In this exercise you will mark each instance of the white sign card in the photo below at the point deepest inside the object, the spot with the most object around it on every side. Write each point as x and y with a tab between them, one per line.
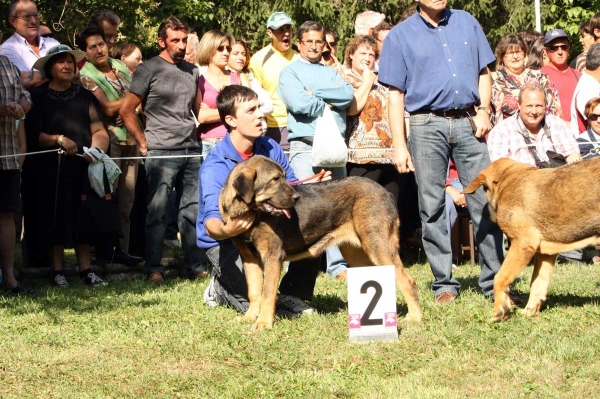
372	303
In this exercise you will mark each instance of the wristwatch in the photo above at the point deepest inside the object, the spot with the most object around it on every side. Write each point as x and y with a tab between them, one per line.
484	109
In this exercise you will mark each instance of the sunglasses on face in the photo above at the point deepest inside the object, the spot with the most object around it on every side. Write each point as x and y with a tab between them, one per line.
593	117
332	44
563	47
222	47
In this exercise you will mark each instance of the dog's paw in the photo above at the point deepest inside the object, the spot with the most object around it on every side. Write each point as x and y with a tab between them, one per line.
530	311
498	318
245	319
414	318
261	325
500	315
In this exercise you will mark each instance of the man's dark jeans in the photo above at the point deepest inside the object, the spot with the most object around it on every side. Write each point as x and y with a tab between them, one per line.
164	174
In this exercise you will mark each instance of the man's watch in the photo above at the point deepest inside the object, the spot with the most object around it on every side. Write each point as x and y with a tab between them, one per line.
484	109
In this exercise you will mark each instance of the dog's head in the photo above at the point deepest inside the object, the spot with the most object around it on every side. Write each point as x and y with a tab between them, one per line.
491	176
257	184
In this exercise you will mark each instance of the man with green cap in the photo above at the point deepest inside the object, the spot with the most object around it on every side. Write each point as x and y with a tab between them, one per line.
266	65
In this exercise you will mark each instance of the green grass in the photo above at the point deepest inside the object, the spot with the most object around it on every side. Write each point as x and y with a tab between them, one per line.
134	340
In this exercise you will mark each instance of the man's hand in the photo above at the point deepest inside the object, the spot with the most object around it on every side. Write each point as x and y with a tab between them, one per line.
402	160
69	146
458	198
483	124
12	110
238	225
572	158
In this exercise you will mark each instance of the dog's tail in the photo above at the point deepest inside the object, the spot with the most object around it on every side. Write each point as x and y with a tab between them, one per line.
480	180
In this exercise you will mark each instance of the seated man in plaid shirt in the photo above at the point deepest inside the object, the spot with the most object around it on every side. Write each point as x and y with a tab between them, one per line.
528	134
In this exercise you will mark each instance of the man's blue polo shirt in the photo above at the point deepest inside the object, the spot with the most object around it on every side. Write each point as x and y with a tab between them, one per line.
437	67
213	174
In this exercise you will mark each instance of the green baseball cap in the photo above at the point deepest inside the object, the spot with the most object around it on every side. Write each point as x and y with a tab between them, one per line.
278	19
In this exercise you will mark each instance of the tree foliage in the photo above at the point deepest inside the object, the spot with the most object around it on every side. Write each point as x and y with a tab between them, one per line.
247	18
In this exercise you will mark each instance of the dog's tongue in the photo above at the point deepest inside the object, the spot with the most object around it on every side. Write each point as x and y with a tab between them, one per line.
287	213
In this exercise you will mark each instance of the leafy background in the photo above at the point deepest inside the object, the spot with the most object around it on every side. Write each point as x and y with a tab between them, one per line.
247	18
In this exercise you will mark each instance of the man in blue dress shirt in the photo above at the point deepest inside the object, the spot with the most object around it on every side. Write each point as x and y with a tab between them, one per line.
435	64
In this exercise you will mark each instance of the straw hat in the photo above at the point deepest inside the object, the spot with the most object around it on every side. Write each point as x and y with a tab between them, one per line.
58	49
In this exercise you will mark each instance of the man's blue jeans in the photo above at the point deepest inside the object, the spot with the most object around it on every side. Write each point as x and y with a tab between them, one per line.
432	141
163	175
300	161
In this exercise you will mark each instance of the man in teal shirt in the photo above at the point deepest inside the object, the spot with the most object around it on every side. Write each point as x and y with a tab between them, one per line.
306	87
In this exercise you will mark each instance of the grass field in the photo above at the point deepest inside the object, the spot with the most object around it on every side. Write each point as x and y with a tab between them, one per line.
134	340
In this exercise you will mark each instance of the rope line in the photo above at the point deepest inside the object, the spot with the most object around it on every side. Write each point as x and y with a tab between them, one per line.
60	151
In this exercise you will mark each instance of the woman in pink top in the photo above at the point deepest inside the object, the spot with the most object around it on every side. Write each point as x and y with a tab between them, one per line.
213	52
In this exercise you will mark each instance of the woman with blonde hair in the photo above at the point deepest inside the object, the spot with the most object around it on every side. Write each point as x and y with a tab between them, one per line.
213	52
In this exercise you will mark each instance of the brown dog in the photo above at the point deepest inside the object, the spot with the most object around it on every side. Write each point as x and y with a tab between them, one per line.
291	224
543	212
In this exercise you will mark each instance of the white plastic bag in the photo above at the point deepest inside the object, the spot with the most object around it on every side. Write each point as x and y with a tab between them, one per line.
329	148
101	161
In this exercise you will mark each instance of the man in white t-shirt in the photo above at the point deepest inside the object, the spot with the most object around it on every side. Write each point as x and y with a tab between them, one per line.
587	88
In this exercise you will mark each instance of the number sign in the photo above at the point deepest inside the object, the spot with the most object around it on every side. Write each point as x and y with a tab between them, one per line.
372	303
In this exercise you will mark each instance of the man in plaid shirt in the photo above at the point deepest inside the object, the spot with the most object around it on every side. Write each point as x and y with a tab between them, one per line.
15	102
545	132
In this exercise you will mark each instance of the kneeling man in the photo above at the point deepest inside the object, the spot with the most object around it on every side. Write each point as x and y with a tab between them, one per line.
239	110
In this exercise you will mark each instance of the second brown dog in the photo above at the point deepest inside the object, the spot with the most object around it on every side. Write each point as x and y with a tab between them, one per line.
543	212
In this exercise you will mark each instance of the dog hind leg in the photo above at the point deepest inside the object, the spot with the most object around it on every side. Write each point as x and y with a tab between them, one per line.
540	281
517	257
381	252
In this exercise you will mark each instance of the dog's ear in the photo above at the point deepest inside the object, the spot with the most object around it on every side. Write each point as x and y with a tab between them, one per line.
244	184
480	180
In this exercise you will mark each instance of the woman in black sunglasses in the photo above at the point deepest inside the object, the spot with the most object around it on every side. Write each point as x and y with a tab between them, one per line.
589	141
213	54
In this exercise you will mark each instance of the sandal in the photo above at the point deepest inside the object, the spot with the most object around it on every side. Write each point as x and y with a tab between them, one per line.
21	289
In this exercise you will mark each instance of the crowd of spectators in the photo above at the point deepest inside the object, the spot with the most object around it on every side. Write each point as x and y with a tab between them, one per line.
205	103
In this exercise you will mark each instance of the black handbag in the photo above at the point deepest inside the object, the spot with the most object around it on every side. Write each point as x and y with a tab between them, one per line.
99	217
555	159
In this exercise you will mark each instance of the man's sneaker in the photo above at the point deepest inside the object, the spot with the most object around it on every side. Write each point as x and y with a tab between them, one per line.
290	306
210	294
93	280
217	294
60	281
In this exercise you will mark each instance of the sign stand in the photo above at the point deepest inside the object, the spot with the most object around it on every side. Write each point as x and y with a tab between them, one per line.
372	303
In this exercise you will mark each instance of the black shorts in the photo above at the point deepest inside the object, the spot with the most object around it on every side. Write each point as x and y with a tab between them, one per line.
10	182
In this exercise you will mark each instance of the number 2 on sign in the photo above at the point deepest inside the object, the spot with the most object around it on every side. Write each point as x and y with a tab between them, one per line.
366	320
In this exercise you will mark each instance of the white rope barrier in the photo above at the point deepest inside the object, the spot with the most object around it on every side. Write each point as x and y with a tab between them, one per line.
595	150
32	153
